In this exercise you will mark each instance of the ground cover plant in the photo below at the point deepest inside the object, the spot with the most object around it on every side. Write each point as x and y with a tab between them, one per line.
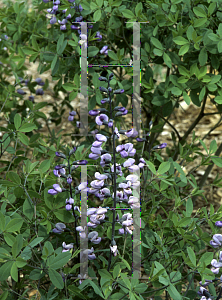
116	180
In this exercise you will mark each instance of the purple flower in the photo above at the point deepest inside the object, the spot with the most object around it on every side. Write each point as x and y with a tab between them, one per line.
110	124
131	133
94	112
104	50
56	189
71	115
218	223
101	137
31	98
39	81
161	146
105	158
59	228
82	231
119	91
142	163
63	22
90	253
68	17
82	162
59	172
216	242
99	36
53	20
69	179
74	27
63	27
67	247
59	154
93	237
114	250
90	26
39	92
79	19
100	119
55	7
21	92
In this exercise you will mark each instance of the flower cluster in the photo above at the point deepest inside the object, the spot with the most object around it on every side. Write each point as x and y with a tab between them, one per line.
38	92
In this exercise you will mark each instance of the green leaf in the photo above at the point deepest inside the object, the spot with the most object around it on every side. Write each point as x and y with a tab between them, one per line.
27	127
173	292
64	215
138	8
184	222
36	274
14	272
59	261
112	55
167	60
56	279
176	91
60	42
45	165
14	177
92	51
126	281
28	209
191	255
203	56
156	43
17	246
97	15
27	252
20	262
99	3
189	207
125	262
14	225
69	87
202	93
164	167
77	292
213	37
200	12
53	64
5	270
200	22
184	49
219	46
179	40
184	71
128	14
116	271
217	161
17	121
213	147
96	288
218	99
23	138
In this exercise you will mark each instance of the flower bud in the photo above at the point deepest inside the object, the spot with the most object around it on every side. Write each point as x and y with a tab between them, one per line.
119	91
102	89
111	76
59	154
72	151
101	78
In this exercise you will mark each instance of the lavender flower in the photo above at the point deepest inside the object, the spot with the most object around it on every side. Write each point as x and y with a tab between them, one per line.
161	146
59	228
104	50
131	133
93	237
71	115
56	189
216	242
39	92
67	247
101	119
218	223
114	250
21	92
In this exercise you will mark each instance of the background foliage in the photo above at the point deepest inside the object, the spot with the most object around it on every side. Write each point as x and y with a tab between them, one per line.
184	38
